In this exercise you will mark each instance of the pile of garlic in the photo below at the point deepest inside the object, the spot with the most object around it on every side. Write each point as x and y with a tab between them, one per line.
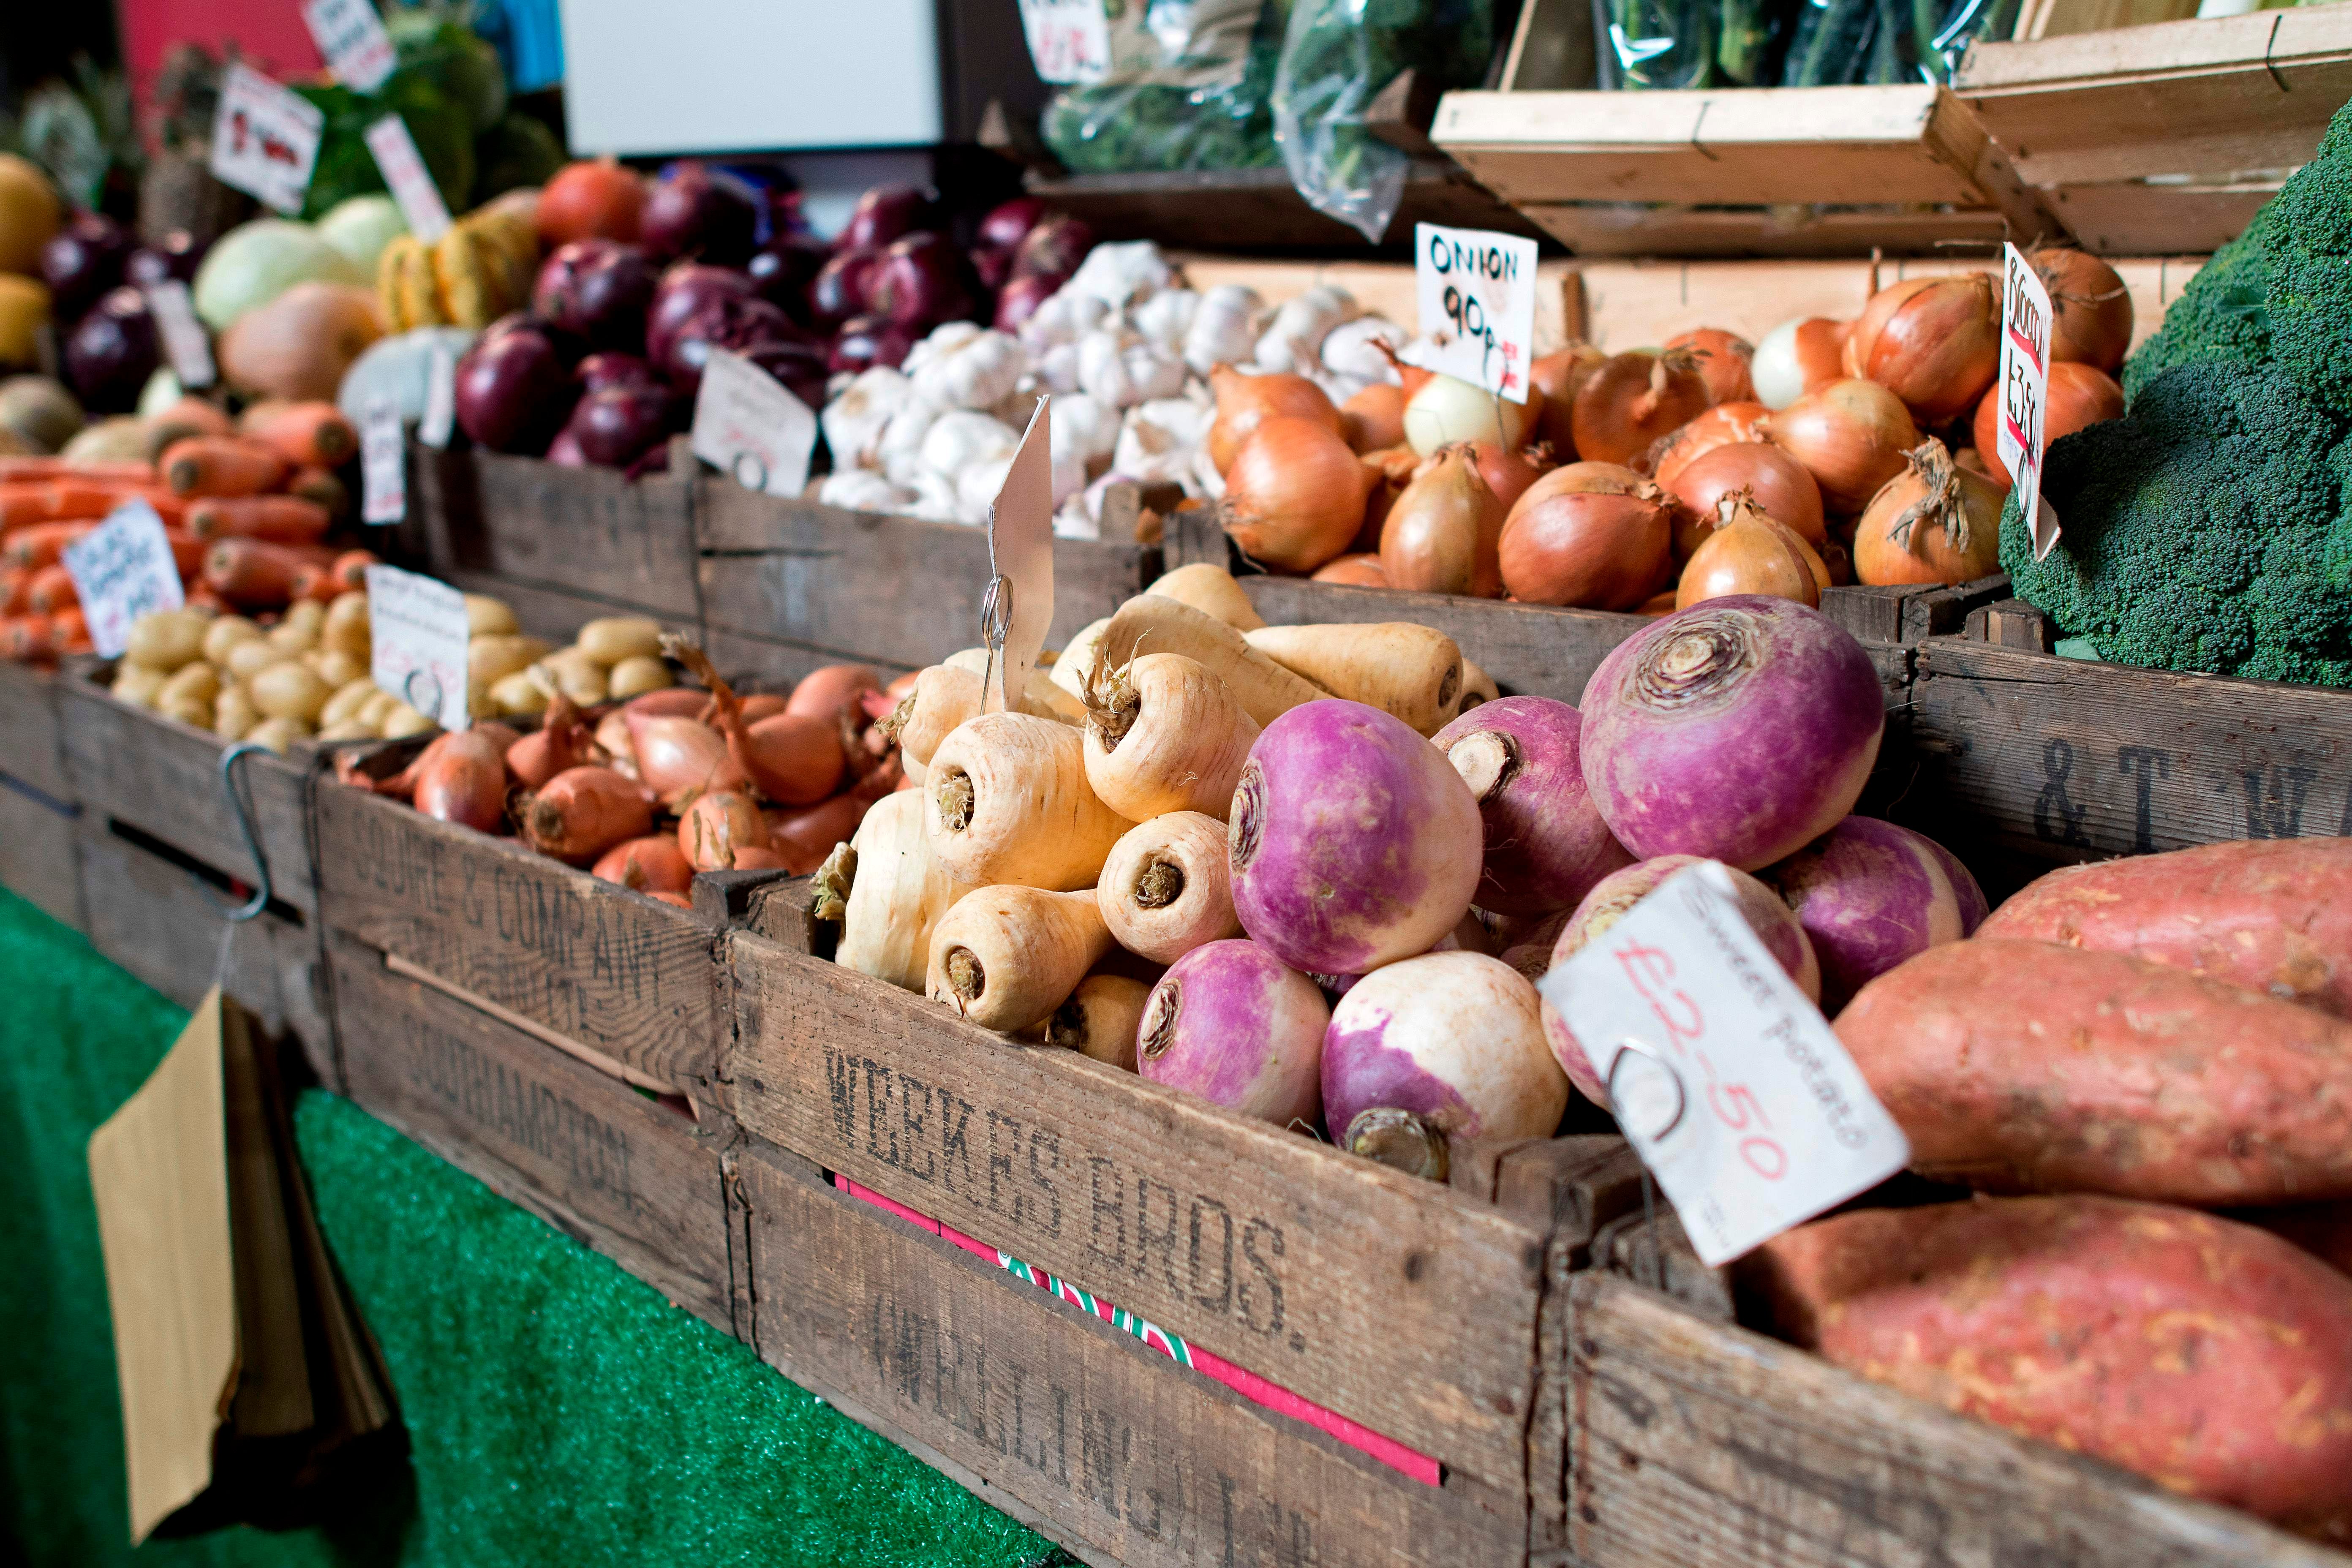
1123	348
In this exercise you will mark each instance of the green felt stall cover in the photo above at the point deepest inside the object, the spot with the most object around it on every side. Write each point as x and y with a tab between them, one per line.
560	1412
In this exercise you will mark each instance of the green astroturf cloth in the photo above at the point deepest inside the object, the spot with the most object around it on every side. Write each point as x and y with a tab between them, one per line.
559	1411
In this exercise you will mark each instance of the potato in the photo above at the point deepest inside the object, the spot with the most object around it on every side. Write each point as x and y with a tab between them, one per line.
636	677
348	730
486	616
292	637
2212	1356
192	711
488	658
278	734
224	634
2027	1066
346	626
137	684
234	713
403	719
612	639
309	614
348	699
198	681
517	696
336	668
575	674
377	708
166	639
248	659
290	689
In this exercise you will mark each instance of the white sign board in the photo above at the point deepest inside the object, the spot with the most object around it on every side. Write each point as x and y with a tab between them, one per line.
1069	40
265	140
1727	1081
440	396
1476	292
748	424
122	570
411	183
351	36
184	343
2024	386
417	627
384	463
1020	553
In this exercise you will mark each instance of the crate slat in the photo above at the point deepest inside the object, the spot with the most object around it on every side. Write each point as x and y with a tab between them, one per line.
37	857
32	748
1261	209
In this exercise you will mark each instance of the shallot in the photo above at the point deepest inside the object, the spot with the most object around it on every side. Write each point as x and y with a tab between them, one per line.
584	811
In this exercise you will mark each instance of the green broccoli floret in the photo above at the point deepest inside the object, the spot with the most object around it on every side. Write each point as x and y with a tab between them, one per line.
2224	314
2308	246
2207	530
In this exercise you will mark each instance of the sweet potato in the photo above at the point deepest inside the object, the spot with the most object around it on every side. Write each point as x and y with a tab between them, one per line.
2271	914
2208	1355
2027	1066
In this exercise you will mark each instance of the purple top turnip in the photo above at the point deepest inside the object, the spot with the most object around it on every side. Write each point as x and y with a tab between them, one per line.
1353	843
1739	730
1546	844
1870	895
1446	1046
1230	1024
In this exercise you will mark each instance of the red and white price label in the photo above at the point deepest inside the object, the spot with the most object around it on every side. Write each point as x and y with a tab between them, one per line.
412	183
122	570
184	343
1476	291
2025	322
351	36
1729	1083
384	463
747	423
1069	40
265	139
418	635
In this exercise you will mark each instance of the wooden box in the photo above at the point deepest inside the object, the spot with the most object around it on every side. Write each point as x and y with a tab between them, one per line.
37	859
32	750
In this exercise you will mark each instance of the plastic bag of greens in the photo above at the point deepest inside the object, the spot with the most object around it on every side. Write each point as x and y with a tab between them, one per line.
1691	43
1887	41
1163	84
1337	57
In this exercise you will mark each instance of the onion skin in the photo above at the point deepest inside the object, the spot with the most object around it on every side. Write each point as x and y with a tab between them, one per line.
790	758
1558	376
1935	342
676	754
1546	845
2091	311
1723	362
1443	411
803	838
1850	435
1594	535
562	740
1870	895
1231	1024
1374	419
1634	399
1295	495
1752	554
1443	533
1772	479
1361	571
823	693
1939	523
1742	729
2081	395
650	865
1352	842
584	811
1797	357
1724	424
1509	474
1247	401
716	829
461	777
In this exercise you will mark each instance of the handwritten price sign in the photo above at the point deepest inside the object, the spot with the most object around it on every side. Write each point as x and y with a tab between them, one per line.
419	634
123	570
1069	40
1729	1083
2025	319
352	36
265	140
747	425
1478	298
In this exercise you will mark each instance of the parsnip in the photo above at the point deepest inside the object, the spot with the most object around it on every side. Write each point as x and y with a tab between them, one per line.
1477	686
1009	802
1006	957
945	695
1040	695
899	892
1153	623
1099	1019
1166	888
1398	667
1164	735
1212	591
1077	660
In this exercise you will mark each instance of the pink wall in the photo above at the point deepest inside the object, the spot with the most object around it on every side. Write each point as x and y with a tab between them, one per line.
270	33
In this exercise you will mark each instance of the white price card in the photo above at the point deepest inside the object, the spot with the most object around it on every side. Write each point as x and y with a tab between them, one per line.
265	140
184	343
417	627
1021	561
384	463
2025	322
1069	40
1729	1084
122	570
351	36
412	185
747	423
440	396
1476	292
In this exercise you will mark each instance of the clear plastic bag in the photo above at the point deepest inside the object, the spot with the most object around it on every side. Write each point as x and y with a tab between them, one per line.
1172	86
1887	41
1337	57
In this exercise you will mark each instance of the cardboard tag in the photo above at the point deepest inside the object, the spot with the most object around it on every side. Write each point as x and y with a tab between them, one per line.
265	140
1021	548
184	343
351	36
123	570
440	397
1069	40
417	627
748	424
2025	322
383	464
1478	298
412	183
1732	1088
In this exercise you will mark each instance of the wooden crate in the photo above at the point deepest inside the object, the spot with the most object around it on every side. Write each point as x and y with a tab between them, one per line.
640	1180
37	859
32	750
1260	210
618	980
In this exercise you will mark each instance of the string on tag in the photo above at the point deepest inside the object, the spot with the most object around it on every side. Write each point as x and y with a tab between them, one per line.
222	953
996	625
1629	1046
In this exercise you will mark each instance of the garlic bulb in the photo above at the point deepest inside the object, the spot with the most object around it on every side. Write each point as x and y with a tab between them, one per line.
1350	350
1084	431
1223	329
1121	371
899	452
1065	318
1057	368
1295	335
934	498
1156	441
1119	275
1073	522
855	421
977	488
944	339
861	489
1167	317
961	439
970	369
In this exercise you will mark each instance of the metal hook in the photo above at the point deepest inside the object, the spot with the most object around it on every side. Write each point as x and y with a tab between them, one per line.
1630	1047
996	625
432	678
237	803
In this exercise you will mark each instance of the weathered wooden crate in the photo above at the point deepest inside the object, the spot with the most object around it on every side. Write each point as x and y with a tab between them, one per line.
618	980
640	1180
37	861
32	751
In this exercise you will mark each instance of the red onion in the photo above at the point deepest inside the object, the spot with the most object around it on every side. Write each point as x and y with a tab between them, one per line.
868	341
1054	249
802	367
782	269
1448	1046
1740	729
919	282
692	212
1021	298
1230	1024
683	292
513	390
737	324
1009	223
841	287
598	290
598	372
882	215
1353	843
1871	895
1546	844
615	427
564	451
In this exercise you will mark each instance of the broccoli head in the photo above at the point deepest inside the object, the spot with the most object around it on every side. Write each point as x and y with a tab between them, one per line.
2222	314
2207	530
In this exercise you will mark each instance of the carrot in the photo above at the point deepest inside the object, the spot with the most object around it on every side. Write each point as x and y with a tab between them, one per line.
1165	735
189	416
1009	802
253	573
315	434
70	630
223	466
29	639
316	582
41	544
82	498
15	470
1412	671
50	589
282	520
321	488
12	590
23	502
1006	957
187	550
350	569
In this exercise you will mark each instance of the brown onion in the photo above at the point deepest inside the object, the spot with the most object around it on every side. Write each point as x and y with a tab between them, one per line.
1374	418
1935	342
825	692
2080	396
1718	426
562	741
1359	571
789	757
676	756
805	837
1769	477
2090	309
1938	523
1245	402
1591	534
1508	474
1294	494
648	864
1850	435
1442	534
461	777
584	811
1386	473
1632	400
1557	376
1749	553
714	832
1723	361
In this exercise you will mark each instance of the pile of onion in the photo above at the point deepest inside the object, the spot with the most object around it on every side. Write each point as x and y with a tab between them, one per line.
1440	411
1775	481
2091	312
1751	552
1245	402
1374	419
1632	400
1594	535
1558	376
1937	523
1850	435
1797	357
1720	425
1294	493
1935	342
1444	533
1724	359
2080	396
